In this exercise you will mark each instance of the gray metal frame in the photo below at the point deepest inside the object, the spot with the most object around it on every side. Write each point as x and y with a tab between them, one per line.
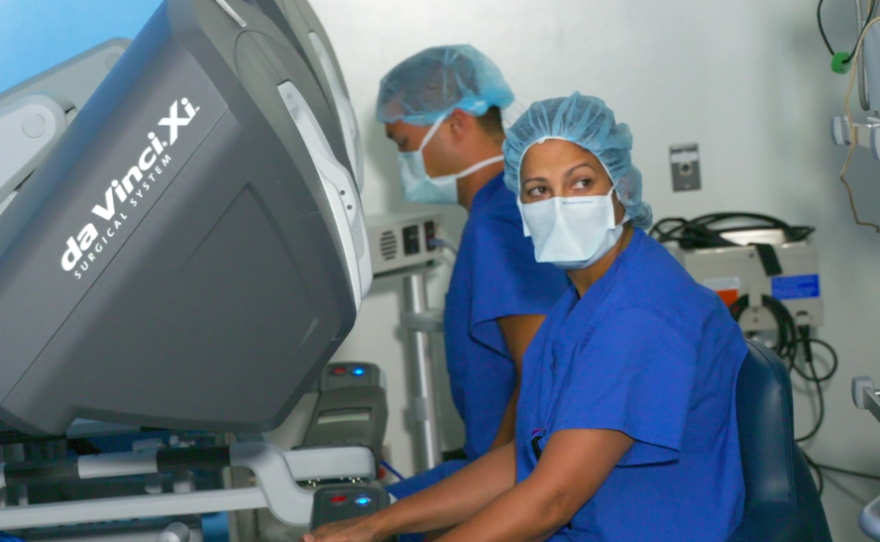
277	473
423	405
866	397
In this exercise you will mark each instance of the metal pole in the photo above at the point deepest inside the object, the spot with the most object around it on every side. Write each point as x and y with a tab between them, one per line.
864	99
422	405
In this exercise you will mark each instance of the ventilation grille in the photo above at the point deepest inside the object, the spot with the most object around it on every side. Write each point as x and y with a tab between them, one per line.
388	245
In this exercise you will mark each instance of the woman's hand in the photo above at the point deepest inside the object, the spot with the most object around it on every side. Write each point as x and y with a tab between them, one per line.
445	504
349	530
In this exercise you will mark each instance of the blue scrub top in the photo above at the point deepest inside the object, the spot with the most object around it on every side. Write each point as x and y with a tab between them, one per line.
649	352
495	275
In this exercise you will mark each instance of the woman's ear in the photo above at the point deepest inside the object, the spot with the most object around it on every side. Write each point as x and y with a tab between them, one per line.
619	209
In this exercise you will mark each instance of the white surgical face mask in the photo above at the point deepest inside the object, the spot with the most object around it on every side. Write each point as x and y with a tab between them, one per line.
571	233
419	188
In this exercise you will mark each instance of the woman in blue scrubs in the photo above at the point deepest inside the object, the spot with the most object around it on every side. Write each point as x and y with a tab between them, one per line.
626	425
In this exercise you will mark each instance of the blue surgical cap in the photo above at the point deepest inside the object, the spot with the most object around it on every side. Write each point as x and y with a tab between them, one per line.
587	122
433	83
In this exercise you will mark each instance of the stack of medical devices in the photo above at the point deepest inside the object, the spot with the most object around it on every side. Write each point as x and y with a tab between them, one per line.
767	273
765	270
183	246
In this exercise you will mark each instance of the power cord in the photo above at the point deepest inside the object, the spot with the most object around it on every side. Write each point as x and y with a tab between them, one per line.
849	57
443	243
789	339
820	478
806	340
390	469
853	136
844	66
707	232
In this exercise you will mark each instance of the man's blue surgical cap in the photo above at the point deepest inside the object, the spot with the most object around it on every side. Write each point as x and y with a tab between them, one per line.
587	122
431	84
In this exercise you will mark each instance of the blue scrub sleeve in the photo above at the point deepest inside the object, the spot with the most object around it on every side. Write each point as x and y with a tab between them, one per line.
635	375
507	280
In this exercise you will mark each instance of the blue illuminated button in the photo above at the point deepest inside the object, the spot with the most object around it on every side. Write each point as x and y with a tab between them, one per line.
358	371
363	500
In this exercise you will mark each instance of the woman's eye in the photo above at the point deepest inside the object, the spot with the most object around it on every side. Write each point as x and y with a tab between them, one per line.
537	191
583	184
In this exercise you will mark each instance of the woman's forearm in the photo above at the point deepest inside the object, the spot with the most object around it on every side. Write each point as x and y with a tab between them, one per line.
453	500
574	464
525	513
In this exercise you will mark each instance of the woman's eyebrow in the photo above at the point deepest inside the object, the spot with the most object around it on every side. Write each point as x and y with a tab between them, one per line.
585	164
530	179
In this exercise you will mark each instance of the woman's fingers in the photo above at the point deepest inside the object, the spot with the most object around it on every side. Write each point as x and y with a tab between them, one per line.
350	530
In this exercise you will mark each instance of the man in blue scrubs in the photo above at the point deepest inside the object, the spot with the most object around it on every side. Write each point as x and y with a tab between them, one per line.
442	107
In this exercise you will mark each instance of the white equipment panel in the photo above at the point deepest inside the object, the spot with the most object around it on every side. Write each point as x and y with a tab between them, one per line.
400	241
737	271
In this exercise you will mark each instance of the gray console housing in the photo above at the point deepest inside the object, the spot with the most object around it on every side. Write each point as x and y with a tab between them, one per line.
175	262
299	23
349	416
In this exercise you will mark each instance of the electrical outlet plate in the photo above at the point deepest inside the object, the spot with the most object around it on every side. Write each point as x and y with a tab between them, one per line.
685	163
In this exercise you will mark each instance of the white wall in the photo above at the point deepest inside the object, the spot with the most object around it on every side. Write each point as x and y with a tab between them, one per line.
748	81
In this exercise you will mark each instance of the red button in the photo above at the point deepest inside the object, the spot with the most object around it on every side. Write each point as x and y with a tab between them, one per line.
338	371
338	499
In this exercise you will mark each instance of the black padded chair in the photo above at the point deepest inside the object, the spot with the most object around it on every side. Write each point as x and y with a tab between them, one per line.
782	503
